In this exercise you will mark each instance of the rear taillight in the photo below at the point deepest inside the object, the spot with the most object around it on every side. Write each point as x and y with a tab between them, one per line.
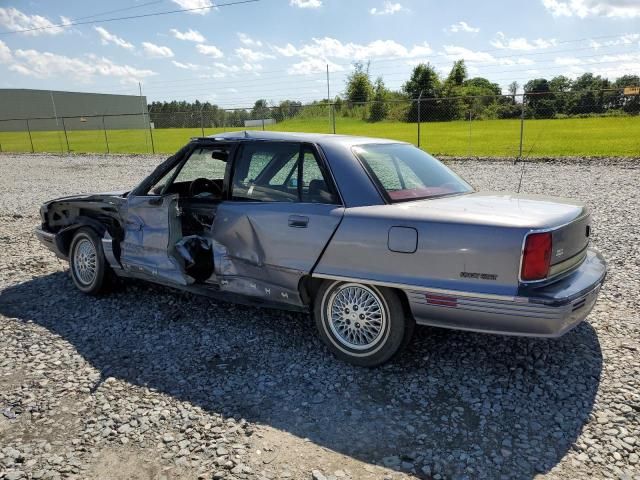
536	257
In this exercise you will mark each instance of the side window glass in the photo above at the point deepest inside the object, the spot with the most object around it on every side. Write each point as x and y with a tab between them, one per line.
203	163
315	187
262	173
159	186
272	173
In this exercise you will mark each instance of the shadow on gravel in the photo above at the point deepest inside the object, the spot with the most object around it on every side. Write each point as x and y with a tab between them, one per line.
460	403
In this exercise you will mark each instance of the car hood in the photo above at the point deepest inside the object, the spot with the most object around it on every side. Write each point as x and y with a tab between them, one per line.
493	209
90	197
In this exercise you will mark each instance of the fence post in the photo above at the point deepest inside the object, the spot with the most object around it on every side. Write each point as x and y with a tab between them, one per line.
201	121
263	124
419	109
333	116
469	154
30	139
153	147
104	129
66	138
522	125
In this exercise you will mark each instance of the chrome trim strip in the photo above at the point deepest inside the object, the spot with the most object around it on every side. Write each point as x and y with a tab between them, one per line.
403	286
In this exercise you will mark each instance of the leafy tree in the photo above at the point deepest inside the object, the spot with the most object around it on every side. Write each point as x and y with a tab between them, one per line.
539	98
513	91
287	109
424	81
458	73
260	110
588	96
379	108
626	103
561	85
359	88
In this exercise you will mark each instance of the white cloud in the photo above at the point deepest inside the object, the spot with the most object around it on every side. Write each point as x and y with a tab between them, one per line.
248	55
503	42
201	5
455	52
332	48
306	3
190	35
187	66
248	41
626	39
156	51
593	8
107	37
313	65
14	19
5	53
566	61
462	26
210	50
388	8
226	68
251	67
45	64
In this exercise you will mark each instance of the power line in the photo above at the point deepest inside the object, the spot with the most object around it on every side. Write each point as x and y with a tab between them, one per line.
135	7
131	17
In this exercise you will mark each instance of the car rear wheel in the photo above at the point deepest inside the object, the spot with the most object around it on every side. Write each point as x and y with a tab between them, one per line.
87	264
362	324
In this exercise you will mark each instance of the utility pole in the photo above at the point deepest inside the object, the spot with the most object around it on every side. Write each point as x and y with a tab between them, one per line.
332	113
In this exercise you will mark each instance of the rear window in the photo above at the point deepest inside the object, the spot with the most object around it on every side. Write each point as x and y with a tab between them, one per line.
407	173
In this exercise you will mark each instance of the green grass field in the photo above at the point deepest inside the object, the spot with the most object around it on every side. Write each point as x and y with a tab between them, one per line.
612	136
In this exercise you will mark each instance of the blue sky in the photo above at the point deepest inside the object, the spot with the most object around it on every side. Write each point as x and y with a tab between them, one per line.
278	49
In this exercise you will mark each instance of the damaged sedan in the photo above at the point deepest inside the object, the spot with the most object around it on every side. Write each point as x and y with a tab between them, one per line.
371	236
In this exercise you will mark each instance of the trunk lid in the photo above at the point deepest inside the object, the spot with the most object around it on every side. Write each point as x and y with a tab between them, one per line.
569	241
489	209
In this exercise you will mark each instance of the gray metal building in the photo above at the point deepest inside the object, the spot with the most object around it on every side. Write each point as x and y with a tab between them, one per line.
47	109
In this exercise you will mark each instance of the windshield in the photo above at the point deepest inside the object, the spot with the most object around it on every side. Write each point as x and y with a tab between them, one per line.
407	173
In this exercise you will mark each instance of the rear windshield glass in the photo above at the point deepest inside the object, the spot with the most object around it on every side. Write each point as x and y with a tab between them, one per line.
407	173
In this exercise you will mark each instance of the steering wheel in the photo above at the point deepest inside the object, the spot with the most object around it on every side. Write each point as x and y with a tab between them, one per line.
202	185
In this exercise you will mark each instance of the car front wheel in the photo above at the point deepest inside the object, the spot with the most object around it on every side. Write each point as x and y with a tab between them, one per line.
87	264
362	324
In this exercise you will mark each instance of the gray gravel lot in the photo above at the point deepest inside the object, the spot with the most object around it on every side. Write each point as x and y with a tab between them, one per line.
151	383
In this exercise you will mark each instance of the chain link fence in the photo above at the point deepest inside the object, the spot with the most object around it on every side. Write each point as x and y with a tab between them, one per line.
588	123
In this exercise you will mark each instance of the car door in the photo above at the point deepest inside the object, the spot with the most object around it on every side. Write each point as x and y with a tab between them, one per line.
153	223
282	210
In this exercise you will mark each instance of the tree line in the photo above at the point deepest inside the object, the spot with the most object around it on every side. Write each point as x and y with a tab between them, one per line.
453	97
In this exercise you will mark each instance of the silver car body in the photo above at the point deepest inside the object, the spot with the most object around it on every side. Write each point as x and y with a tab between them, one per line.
457	259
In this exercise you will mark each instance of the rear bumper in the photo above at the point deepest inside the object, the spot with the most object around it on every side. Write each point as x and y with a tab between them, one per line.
549	311
49	240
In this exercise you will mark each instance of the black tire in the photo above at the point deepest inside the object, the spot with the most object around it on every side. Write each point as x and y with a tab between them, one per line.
80	262
384	334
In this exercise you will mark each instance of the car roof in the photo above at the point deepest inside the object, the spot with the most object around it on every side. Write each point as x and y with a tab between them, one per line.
318	138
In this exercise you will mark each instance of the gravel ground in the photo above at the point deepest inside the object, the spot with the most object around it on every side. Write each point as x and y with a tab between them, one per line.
151	383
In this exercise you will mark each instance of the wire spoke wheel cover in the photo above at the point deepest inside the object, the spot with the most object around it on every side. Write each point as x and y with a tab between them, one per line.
84	261
357	316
